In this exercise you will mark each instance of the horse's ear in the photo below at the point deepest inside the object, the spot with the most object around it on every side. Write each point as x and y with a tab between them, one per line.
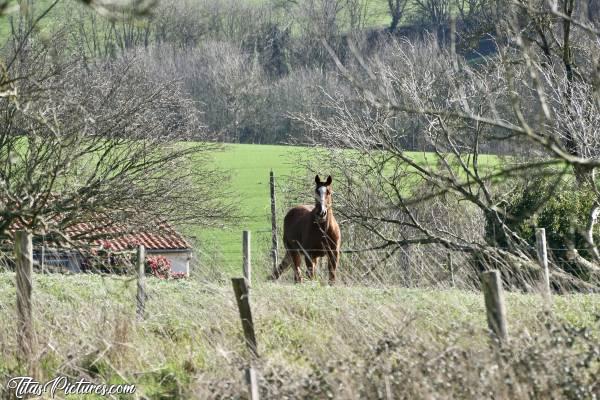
317	179
329	180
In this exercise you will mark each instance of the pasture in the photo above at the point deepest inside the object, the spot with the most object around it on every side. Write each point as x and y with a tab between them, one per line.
249	167
314	341
460	276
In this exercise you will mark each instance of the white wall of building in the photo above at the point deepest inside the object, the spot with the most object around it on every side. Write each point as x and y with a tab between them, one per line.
180	261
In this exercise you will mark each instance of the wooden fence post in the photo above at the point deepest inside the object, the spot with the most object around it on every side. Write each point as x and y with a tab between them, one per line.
141	281
252	382
24	275
274	244
494	304
240	288
451	268
247	257
542	253
42	260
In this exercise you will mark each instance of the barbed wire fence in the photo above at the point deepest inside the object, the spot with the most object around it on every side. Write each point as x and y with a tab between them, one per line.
110	330
363	263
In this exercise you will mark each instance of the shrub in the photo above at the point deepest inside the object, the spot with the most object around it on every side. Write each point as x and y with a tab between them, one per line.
159	266
562	209
412	367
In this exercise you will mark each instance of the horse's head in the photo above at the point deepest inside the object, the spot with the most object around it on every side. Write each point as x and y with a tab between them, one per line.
323	196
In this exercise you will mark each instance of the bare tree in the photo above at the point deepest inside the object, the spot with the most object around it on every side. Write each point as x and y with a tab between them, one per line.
227	84
93	36
29	17
434	14
78	141
521	97
563	52
397	10
325	19
474	25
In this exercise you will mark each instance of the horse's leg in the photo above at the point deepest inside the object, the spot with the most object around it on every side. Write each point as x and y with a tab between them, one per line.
280	269
297	259
311	264
333	256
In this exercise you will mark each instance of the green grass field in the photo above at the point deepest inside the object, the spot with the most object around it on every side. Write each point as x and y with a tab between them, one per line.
249	166
314	341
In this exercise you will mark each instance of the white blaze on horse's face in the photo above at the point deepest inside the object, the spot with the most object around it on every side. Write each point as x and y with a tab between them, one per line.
320	195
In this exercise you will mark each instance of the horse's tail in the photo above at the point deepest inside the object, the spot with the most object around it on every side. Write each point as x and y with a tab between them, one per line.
280	269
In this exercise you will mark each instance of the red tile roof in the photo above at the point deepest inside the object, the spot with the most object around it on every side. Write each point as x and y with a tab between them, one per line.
163	237
115	237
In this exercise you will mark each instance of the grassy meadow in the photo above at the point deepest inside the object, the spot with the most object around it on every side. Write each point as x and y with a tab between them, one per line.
249	166
314	341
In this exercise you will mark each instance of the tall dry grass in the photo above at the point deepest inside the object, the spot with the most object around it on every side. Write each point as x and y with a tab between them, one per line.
315	341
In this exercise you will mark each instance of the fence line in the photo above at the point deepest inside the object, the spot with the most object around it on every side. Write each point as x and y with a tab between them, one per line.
421	247
274	241
24	274
343	251
491	285
141	282
246	257
23	250
542	253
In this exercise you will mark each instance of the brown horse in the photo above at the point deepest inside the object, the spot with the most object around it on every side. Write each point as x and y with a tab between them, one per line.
311	232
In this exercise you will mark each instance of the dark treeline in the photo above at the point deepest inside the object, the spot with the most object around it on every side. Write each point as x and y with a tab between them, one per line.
250	66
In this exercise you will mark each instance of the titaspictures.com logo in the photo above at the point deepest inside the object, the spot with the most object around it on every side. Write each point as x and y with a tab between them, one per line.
26	386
